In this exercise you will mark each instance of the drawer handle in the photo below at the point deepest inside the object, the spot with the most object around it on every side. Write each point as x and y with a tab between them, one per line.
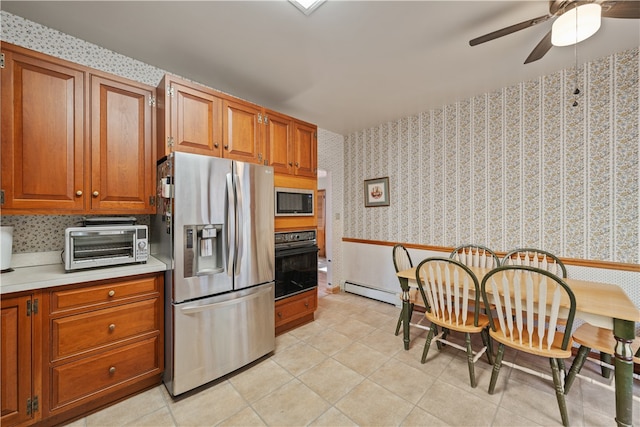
279	314
112	293
112	370
306	304
112	327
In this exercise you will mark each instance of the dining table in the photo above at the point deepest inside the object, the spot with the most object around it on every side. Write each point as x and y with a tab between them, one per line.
600	304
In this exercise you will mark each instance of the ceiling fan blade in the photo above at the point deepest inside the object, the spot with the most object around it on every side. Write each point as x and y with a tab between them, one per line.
508	30
541	49
621	9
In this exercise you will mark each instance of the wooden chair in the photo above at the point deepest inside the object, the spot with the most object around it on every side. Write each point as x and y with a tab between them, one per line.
520	295
402	261
448	286
475	256
536	258
601	339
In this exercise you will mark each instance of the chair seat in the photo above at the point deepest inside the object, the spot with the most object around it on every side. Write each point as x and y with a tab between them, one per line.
555	351
601	339
468	326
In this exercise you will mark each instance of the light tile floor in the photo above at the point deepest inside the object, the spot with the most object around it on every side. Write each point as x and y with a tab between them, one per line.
348	368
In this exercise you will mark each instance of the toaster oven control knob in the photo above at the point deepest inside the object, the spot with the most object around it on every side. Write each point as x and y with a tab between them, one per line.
78	193
142	245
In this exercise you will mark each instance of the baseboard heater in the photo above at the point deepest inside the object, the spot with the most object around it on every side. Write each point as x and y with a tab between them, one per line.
373	293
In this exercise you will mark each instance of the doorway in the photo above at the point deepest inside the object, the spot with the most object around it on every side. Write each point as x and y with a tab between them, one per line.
321	236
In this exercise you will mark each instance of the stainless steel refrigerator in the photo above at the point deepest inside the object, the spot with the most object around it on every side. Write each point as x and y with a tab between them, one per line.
214	228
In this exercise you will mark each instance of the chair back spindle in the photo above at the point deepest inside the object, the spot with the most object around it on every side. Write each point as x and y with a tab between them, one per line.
475	256
536	258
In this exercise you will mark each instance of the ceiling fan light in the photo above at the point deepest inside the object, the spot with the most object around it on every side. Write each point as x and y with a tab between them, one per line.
576	25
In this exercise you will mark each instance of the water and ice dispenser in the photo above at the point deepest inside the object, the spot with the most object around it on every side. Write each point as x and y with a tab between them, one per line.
203	250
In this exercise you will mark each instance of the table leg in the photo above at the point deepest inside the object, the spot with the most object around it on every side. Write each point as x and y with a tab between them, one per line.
624	332
406	311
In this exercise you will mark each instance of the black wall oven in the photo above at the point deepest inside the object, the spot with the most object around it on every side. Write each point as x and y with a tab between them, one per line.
296	256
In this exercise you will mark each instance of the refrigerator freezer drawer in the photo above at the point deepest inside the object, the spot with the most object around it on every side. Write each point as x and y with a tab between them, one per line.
215	336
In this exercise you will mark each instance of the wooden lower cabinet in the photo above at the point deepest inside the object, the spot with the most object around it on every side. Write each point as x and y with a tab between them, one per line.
18	360
92	344
295	311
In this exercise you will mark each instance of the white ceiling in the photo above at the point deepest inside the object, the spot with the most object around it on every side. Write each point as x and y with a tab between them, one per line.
348	66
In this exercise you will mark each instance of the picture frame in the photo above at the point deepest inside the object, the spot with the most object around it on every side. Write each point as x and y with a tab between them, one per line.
376	192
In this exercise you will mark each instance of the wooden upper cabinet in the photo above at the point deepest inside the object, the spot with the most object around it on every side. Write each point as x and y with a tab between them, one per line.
306	147
191	118
122	136
278	142
43	134
242	131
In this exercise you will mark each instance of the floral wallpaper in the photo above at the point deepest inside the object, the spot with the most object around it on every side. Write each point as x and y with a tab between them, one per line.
520	166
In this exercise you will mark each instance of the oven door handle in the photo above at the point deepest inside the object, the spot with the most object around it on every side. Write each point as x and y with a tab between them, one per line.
296	251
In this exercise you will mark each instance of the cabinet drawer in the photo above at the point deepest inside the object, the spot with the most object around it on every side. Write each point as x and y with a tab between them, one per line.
297	306
88	376
82	332
102	294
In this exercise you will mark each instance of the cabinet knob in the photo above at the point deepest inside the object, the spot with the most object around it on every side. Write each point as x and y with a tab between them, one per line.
226	147
96	194
112	327
111	293
279	314
306	304
78	193
297	164
216	145
112	370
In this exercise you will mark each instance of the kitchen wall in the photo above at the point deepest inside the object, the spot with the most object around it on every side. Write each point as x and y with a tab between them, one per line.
516	167
331	159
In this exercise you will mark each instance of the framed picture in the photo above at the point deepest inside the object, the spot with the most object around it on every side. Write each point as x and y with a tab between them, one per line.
376	192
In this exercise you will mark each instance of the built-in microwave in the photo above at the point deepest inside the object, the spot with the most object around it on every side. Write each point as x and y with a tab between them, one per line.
294	202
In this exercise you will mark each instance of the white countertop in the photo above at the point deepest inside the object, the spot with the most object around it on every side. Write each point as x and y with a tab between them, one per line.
45	269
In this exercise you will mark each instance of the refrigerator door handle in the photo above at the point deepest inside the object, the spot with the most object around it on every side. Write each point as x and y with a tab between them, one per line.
200	308
231	225
239	223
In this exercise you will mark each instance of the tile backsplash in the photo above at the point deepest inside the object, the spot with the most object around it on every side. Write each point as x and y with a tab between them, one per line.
44	233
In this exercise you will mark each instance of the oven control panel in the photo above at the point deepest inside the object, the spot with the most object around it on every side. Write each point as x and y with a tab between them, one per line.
306	238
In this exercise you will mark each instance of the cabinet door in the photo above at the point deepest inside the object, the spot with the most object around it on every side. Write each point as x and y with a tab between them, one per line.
196	120
278	142
42	135
242	131
305	143
15	361
122	126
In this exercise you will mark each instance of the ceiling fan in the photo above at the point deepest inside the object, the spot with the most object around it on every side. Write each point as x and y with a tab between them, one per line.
629	9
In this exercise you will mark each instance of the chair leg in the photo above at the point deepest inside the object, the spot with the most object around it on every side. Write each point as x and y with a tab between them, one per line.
472	374
575	367
427	344
400	318
606	358
399	321
486	341
557	382
496	368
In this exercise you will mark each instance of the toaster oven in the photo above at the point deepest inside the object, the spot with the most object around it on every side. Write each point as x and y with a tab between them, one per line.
107	245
